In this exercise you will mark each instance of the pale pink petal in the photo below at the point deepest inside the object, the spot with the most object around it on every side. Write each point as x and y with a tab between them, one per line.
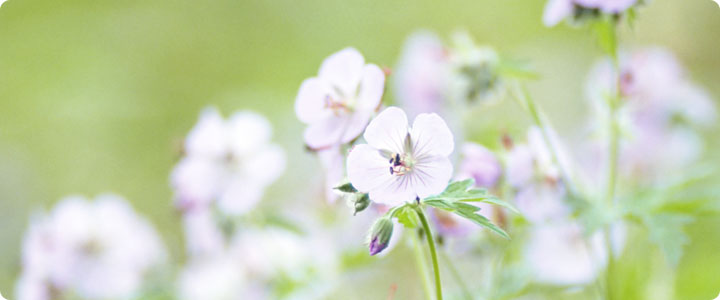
388	130
371	88
431	136
480	164
240	196
333	162
207	138
310	101
367	169
556	11
328	132
266	165
355	126
431	175
248	131
343	70
202	234
519	166
396	191
196	182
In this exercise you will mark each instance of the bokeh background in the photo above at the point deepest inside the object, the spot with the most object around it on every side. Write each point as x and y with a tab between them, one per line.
96	95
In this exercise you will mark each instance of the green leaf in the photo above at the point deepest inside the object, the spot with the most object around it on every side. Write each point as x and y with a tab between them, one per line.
406	216
482	221
346	188
464	191
667	231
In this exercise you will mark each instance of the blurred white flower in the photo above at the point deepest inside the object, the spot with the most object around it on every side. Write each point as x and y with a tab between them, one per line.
229	161
399	163
339	102
558	10
421	76
214	278
96	249
333	163
560	254
1	296
480	164
531	171
660	109
203	236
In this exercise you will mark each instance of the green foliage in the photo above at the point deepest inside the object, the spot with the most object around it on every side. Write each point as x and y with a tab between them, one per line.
667	231
406	216
457	193
346	188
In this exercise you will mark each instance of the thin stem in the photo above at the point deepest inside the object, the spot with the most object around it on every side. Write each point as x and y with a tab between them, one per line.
422	266
456	275
433	252
528	103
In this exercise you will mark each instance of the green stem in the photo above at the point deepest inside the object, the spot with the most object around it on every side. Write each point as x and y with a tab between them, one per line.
528	103
433	252
613	150
422	266
456	275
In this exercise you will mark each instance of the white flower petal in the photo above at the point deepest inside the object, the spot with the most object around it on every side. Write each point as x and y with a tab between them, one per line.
343	70
367	169
431	175
327	132
431	136
266	165
240	196
196	181
247	132
556	11
310	101
396	191
371	88
388	130
207	138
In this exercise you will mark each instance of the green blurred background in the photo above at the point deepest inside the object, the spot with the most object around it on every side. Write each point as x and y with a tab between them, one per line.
96	95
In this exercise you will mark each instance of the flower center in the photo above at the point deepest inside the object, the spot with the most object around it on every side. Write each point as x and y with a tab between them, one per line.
338	107
401	164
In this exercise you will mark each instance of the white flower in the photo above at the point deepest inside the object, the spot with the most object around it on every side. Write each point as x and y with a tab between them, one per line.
97	250
420	78
215	278
333	163
560	254
480	164
1	296
229	161
557	10
203	236
339	102
531	171
399	163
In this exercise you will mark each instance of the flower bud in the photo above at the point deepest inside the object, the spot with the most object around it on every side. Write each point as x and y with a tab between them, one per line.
362	201
380	235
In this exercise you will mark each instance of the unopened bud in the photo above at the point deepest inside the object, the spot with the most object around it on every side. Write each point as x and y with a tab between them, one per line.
362	201
380	235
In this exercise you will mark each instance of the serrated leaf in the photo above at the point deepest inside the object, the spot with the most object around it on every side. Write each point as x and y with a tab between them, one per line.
407	217
667	231
463	191
441	204
482	221
346	188
495	201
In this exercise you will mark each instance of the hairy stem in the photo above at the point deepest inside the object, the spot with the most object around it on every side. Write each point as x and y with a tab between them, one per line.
433	252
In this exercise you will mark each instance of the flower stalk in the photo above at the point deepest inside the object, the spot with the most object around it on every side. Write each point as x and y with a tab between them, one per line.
433	252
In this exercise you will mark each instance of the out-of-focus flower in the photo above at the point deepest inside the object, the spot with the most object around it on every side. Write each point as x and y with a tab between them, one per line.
558	10
379	235
333	163
339	102
95	249
400	163
1	296
203	235
532	172
480	164
560	254
448	224
660	108
213	278
267	253
475	73
422	74
228	161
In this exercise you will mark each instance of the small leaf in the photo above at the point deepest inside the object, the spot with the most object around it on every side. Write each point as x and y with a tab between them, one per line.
407	217
346	188
495	201
667	231
441	204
